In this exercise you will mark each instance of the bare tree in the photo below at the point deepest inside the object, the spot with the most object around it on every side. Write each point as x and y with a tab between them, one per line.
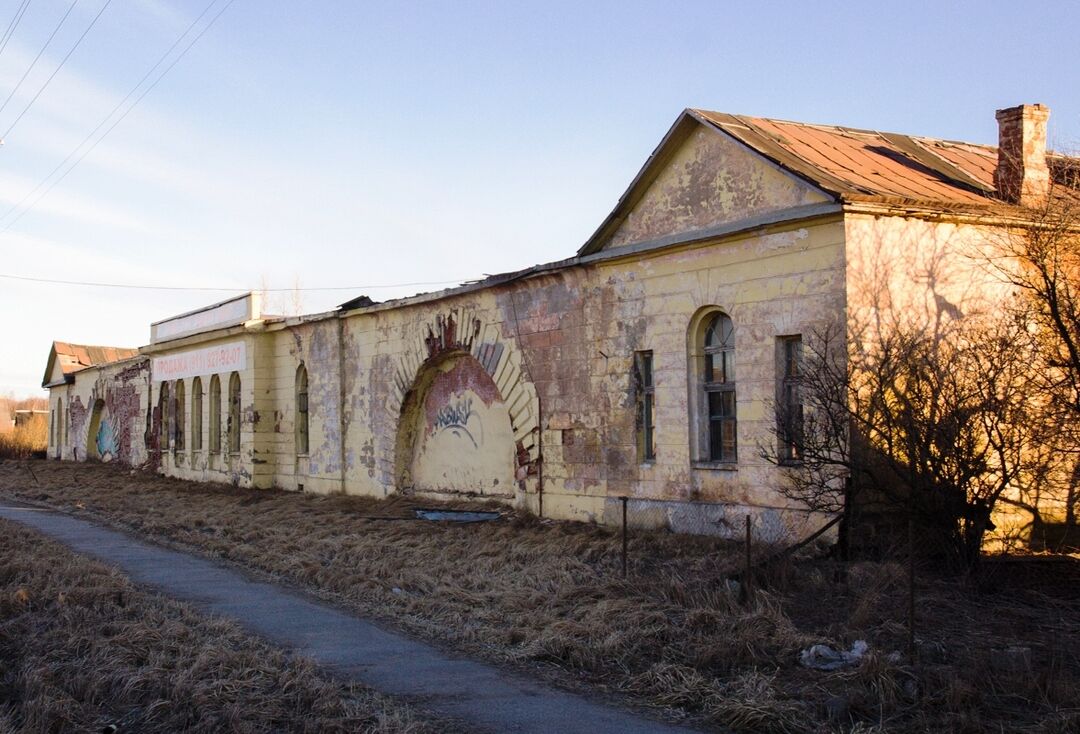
1038	253
930	423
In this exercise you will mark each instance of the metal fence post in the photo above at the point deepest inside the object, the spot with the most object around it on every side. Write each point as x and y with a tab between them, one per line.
623	536
747	576
911	586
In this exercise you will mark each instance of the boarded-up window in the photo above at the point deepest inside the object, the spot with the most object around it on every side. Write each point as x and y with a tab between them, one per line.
180	419
234	413
301	410
196	414
165	411
215	414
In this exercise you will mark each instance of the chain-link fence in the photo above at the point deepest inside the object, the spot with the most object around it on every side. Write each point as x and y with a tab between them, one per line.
711	547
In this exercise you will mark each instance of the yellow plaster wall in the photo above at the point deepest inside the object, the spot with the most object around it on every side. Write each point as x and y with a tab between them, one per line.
558	347
561	345
916	271
123	389
906	271
710	180
771	285
238	468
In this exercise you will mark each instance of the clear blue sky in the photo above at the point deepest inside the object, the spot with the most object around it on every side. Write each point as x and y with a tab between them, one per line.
349	143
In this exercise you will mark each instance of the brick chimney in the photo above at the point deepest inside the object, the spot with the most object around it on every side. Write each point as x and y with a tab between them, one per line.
1021	176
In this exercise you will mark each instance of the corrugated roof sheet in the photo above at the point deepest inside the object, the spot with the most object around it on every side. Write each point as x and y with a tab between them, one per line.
74	357
855	164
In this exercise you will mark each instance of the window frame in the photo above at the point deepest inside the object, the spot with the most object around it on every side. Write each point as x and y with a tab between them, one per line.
235	399
721	420
179	418
789	399
196	415
645	404
303	415
164	419
215	414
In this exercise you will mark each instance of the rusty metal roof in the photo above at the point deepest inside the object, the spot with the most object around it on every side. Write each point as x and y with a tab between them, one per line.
867	164
75	357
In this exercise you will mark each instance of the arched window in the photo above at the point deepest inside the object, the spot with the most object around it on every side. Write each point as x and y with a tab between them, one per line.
179	409
301	410
719	386
196	414
234	413
215	414
713	425
165	410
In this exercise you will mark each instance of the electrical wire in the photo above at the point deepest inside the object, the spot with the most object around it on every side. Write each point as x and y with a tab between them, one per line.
101	124
134	286
38	57
10	31
55	71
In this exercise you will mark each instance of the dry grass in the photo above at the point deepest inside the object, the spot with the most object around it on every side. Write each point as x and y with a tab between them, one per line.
82	648
547	597
24	441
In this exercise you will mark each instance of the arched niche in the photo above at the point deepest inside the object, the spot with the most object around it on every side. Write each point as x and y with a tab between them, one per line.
455	432
102	439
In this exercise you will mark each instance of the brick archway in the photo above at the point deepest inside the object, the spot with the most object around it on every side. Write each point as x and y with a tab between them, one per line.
452	335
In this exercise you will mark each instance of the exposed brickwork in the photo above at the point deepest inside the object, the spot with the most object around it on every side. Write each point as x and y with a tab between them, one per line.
1022	176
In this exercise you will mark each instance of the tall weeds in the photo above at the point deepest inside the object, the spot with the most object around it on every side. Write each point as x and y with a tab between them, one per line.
25	441
82	648
548	599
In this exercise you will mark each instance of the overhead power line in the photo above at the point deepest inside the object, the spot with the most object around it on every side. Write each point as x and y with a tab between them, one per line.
135	286
75	151
39	53
10	31
55	71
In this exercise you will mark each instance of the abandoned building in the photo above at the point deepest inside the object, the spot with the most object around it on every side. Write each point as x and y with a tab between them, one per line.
646	366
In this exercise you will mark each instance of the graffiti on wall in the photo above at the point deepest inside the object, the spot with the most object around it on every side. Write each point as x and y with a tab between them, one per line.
106	441
454	417
465	441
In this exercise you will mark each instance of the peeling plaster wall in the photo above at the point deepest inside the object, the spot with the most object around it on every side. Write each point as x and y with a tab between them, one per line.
121	389
456	435
547	365
238	468
711	180
393	357
559	348
315	345
771	285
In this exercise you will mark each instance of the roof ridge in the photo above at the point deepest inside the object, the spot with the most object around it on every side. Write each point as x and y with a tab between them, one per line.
94	346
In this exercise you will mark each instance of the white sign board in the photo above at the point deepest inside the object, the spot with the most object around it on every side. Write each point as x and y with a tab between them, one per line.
227	313
229	357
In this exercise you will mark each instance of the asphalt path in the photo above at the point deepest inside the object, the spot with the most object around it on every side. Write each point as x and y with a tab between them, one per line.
476	695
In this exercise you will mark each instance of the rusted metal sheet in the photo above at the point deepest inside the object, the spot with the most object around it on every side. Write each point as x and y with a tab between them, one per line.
848	161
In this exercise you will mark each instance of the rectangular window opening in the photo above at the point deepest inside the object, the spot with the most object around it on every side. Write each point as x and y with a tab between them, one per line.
790	401
645	391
